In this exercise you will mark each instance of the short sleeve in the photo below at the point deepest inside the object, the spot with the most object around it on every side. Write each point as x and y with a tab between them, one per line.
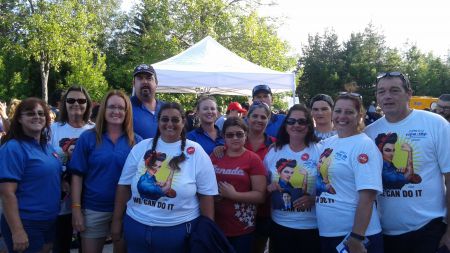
367	166
443	155
205	175
12	169
79	164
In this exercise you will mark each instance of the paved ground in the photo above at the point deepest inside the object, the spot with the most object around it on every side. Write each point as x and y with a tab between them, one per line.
107	249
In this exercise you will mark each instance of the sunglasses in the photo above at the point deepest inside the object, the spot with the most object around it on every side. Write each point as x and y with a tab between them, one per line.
292	121
238	135
80	101
351	94
174	120
392	74
40	114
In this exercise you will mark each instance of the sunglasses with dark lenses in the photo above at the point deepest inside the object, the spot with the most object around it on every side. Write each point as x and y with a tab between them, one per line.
351	94
238	135
80	101
292	121
32	114
174	120
390	74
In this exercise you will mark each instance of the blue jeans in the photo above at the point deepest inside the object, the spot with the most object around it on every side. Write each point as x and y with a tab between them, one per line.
143	238
329	244
38	232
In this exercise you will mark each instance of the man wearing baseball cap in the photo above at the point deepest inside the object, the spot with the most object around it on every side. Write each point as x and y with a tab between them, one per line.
234	110
263	93
144	103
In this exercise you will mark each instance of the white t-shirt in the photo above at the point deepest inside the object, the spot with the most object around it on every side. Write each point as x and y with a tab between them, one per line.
283	213
63	139
195	176
346	166
410	206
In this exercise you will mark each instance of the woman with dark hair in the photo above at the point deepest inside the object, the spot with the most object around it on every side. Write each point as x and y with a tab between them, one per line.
393	177
241	178
208	134
292	168
96	166
30	179
168	218
321	108
73	120
350	175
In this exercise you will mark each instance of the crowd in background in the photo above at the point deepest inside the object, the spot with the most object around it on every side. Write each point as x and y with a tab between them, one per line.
155	179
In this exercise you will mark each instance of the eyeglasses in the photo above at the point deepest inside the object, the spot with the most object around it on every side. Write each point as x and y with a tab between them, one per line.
114	107
80	101
351	94
238	135
30	114
292	121
174	120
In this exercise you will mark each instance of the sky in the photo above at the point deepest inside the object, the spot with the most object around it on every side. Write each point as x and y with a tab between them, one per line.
424	23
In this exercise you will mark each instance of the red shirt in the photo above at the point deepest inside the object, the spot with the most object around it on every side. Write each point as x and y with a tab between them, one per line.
236	218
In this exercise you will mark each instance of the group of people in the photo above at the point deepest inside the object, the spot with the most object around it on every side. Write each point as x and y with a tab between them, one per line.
313	180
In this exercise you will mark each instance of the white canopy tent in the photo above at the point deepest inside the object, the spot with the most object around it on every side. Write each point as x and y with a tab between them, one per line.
208	67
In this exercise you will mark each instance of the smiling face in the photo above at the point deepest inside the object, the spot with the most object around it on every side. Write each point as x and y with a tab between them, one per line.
297	131
321	112
346	118
258	120
115	110
207	111
33	121
393	98
170	125
76	109
144	86
287	173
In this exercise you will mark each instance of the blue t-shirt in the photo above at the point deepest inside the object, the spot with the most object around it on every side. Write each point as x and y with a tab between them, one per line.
201	137
101	167
275	122
145	123
37	171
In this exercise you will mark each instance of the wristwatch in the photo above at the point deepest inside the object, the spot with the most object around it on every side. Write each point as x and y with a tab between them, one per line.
357	237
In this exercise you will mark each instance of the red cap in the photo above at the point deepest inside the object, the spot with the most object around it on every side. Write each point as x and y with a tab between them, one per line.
235	106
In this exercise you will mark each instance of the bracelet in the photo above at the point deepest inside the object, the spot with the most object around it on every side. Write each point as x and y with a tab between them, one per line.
76	205
357	237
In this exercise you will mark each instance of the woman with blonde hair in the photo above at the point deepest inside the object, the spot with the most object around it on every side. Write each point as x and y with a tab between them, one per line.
96	166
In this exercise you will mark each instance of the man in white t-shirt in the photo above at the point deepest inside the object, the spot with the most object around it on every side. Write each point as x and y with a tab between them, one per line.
413	209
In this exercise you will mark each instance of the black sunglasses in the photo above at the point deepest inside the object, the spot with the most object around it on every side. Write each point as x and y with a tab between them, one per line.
80	101
174	120
238	135
351	94
292	121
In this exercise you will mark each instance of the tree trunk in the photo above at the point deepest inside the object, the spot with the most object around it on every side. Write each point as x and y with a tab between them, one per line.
45	70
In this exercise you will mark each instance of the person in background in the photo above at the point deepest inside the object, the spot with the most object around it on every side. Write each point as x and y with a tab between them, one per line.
353	170
96	166
145	105
292	169
242	181
4	122
30	180
55	101
321	109
443	106
234	109
167	217
74	119
413	222
263	93
208	134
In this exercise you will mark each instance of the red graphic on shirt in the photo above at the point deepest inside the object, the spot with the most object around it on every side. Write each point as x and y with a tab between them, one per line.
363	158
190	150
305	157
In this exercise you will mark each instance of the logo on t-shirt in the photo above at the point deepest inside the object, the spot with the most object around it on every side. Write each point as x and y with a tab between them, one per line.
363	158
190	150
305	157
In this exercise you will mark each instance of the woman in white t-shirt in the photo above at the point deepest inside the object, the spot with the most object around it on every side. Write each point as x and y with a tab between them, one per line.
349	179
292	169
163	206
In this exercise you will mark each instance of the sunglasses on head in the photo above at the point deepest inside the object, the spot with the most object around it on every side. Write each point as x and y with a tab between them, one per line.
292	121
174	120
32	114
80	101
351	94
238	135
392	74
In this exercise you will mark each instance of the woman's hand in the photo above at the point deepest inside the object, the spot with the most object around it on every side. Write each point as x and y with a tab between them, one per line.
226	190
355	245
78	220
273	187
20	240
219	151
305	202
406	147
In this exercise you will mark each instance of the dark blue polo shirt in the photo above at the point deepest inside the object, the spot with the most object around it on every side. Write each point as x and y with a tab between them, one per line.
145	123
275	122
202	138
